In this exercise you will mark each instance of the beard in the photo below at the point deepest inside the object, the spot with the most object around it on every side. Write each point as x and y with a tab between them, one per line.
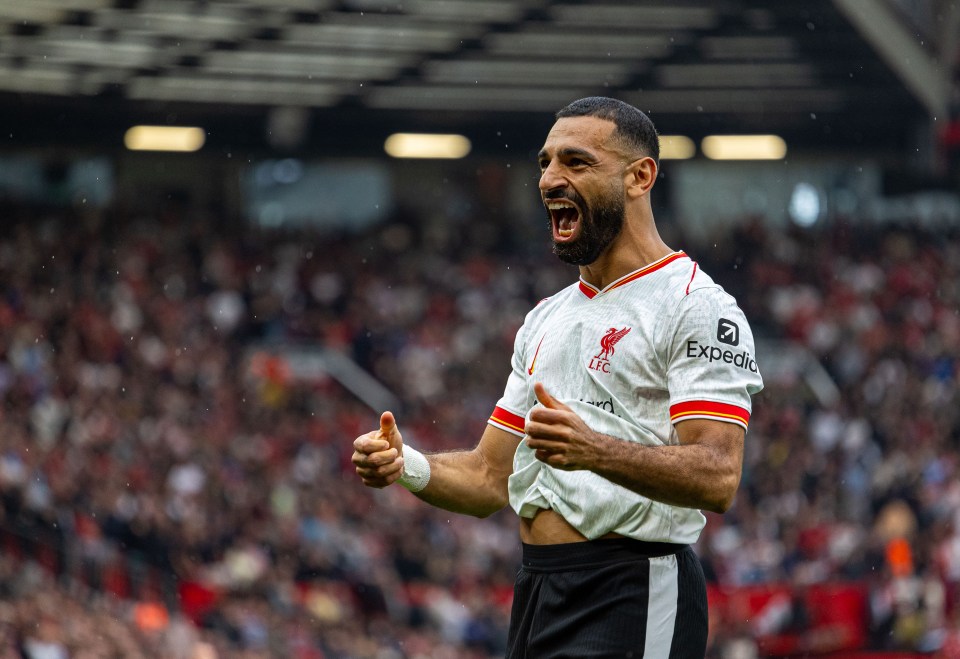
600	226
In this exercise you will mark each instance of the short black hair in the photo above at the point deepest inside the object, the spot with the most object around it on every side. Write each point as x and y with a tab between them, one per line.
634	128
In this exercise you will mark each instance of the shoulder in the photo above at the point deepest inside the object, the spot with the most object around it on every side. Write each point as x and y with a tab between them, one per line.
700	304
541	312
551	303
683	284
689	286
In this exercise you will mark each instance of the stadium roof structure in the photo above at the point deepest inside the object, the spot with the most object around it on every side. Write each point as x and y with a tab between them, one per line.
340	74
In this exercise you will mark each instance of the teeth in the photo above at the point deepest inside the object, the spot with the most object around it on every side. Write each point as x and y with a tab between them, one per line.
564	230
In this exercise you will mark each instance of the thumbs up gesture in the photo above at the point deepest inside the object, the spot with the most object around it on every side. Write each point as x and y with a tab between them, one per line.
378	455
558	434
389	431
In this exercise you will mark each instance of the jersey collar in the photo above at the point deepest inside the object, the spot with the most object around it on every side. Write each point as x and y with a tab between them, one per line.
592	291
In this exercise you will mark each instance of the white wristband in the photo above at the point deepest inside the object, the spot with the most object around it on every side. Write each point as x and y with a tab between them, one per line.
416	469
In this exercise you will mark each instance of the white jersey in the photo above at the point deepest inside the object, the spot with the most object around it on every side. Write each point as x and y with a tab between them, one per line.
657	346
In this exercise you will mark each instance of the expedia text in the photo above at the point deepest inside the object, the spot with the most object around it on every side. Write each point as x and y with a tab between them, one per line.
714	354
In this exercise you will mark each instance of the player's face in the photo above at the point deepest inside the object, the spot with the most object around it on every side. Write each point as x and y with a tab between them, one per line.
582	188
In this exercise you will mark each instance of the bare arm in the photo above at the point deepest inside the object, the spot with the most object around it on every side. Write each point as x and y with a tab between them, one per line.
702	472
471	482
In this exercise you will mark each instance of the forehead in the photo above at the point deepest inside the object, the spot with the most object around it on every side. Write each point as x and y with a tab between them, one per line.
583	133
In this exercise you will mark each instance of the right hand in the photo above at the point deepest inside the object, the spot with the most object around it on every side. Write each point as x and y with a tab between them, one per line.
378	455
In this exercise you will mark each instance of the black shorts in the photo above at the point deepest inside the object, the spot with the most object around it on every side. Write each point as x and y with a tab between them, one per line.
609	598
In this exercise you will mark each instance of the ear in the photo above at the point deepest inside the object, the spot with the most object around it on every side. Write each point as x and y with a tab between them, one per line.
641	174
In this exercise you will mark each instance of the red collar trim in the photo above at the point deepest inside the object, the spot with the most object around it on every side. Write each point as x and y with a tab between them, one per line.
592	291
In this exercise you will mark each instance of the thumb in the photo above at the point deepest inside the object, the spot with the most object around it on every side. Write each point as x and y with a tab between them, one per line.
546	399
389	430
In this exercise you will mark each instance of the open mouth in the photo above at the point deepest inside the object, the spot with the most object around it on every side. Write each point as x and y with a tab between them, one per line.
565	217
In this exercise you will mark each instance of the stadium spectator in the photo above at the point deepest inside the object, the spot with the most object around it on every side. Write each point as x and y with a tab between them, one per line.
142	456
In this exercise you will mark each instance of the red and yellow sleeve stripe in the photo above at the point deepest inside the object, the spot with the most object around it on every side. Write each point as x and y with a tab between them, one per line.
705	409
505	420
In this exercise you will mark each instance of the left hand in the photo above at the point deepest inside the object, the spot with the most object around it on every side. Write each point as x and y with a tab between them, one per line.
558	434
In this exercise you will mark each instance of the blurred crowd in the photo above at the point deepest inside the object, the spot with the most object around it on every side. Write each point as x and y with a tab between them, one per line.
857	482
141	436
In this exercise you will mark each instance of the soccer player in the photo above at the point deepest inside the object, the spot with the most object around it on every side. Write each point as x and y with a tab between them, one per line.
623	417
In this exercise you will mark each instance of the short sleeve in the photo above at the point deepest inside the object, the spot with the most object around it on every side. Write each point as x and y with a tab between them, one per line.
511	410
710	358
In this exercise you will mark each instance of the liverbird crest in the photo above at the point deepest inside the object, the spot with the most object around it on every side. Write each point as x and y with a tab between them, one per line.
609	340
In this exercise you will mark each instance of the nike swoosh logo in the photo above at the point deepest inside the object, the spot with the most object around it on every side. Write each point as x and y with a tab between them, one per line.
537	352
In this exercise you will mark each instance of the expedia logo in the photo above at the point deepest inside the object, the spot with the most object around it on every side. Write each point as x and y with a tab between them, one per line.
741	359
728	332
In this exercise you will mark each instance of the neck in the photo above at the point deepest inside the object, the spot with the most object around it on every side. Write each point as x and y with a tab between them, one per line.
628	253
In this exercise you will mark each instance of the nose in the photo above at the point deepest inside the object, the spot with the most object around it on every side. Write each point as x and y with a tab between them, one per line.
551	178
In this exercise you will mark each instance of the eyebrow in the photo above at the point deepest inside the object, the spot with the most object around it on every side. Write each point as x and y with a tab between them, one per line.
568	152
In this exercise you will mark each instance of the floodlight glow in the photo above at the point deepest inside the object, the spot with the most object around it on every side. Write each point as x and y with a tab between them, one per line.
805	206
744	147
676	147
164	138
422	145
